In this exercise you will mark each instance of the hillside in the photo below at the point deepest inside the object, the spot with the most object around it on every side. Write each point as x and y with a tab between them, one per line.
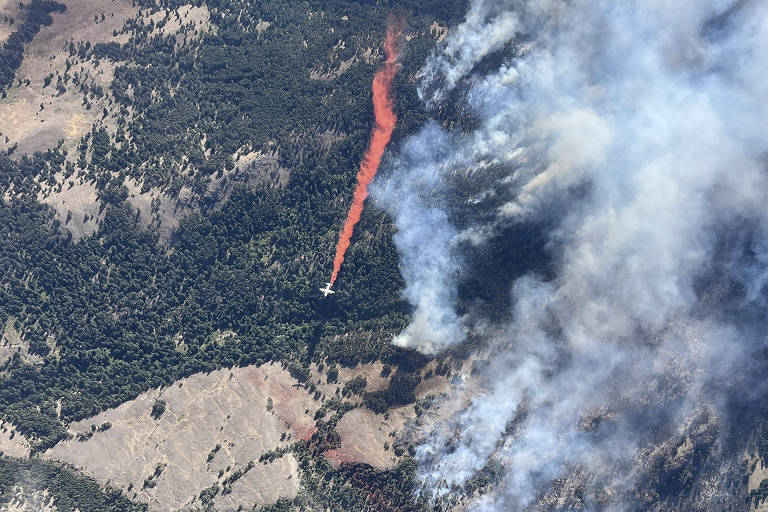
554	299
173	178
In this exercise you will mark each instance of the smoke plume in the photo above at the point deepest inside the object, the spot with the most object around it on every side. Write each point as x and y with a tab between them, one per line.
381	134
608	182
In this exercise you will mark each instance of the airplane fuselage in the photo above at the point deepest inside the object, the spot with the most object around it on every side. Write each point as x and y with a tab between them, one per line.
327	290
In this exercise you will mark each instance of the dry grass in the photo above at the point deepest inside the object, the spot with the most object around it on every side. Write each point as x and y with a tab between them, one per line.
63	117
200	17
77	206
755	477
9	9
252	168
370	371
12	343
368	437
12	443
245	411
334	68
79	210
157	211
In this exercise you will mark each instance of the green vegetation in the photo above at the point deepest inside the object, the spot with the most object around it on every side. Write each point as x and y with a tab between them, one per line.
127	313
213	453
399	392
151	480
354	386
207	495
117	302
350	487
199	98
235	476
758	496
158	408
69	490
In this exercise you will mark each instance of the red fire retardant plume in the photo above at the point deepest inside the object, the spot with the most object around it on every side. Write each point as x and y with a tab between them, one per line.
380	136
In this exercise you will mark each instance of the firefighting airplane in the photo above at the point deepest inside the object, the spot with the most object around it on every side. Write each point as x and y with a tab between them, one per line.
327	290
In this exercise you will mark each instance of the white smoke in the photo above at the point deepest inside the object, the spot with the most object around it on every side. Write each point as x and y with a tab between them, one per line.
427	236
487	28
655	112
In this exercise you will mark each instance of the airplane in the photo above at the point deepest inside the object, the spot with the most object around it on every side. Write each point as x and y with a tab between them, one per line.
327	290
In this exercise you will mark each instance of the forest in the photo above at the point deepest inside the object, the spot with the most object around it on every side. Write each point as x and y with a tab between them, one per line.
122	311
69	490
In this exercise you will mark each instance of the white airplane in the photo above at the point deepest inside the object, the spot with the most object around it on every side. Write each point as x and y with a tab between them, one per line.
327	290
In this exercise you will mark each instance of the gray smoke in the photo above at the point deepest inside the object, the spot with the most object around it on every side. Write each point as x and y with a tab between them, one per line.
636	133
